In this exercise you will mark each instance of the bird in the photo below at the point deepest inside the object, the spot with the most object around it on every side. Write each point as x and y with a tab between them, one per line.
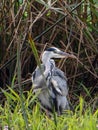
50	82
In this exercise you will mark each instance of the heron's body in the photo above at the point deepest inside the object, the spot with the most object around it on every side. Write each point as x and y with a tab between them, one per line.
52	84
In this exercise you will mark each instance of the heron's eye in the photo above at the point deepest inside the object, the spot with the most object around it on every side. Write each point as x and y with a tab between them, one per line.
55	51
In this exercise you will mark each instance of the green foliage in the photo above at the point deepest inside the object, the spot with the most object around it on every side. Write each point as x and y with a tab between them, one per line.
14	119
34	50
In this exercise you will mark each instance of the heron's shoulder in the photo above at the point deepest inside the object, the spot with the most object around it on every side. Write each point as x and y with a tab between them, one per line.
37	71
42	67
60	73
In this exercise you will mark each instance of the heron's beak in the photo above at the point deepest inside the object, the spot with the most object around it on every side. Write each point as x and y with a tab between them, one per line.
66	55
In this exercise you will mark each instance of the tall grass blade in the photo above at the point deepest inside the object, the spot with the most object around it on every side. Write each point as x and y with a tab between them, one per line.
20	88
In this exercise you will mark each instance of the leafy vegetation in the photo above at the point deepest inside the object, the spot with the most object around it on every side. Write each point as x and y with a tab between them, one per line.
13	115
29	25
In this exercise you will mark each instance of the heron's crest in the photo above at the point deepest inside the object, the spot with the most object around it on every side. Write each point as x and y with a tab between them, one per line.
52	49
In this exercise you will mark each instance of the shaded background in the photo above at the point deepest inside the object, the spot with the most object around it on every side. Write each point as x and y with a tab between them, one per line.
77	34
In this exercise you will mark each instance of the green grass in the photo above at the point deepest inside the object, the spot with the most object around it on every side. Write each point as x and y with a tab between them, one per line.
11	114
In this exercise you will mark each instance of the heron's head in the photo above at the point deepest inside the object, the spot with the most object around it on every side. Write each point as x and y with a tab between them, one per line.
54	52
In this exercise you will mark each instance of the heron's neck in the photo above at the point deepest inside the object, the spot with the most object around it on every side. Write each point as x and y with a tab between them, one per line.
49	65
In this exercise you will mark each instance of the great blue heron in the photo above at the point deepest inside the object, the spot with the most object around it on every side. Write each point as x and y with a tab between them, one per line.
51	81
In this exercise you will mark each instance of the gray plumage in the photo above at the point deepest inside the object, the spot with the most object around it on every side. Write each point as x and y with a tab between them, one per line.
50	82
